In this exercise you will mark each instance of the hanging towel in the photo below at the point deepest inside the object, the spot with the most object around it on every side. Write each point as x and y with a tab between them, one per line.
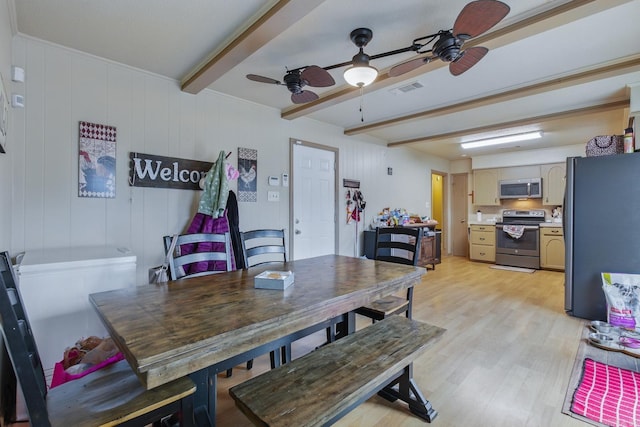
216	189
515	231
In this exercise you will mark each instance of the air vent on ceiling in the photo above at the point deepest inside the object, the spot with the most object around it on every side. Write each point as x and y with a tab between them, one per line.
407	88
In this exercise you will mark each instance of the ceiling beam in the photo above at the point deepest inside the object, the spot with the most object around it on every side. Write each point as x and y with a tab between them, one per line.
560	15
598	108
606	70
279	17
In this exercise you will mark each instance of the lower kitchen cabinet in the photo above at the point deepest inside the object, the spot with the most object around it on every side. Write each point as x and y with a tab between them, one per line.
482	240
551	248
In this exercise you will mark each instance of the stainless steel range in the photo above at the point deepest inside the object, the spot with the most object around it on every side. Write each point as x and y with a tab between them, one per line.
518	238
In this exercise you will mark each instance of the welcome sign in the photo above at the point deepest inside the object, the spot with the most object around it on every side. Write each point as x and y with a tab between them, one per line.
148	170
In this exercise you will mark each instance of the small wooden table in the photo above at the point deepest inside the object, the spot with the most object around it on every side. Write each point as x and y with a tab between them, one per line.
203	325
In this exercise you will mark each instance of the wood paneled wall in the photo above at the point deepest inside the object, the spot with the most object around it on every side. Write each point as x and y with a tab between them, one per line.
153	116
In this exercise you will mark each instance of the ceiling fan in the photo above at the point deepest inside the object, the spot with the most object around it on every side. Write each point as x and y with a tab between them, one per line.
474	19
296	79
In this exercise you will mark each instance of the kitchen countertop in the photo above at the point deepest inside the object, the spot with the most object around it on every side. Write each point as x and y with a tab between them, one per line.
482	223
551	224
542	224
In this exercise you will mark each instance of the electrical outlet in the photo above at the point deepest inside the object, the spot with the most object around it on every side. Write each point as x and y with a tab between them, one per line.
273	196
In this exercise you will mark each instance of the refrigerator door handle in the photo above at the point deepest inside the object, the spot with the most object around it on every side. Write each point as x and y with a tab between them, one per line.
567	225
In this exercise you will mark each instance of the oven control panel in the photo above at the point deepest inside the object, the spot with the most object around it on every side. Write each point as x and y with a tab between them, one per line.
534	213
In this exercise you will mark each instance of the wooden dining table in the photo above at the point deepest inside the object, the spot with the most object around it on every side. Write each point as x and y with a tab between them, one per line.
204	325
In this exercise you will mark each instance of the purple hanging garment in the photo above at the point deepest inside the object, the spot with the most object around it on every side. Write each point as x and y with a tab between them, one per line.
202	223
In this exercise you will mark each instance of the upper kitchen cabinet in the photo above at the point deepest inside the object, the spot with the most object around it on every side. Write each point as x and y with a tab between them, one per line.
520	172
553	181
485	187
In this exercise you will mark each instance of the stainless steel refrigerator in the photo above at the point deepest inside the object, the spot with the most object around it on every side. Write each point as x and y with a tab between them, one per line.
601	228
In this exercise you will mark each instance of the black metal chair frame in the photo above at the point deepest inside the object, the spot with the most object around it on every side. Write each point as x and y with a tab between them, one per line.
23	353
177	261
384	251
262	248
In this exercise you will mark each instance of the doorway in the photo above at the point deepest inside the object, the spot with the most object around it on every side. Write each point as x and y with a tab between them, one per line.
438	202
313	195
459	213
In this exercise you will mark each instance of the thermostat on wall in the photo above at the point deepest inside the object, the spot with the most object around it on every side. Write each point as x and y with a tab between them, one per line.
274	180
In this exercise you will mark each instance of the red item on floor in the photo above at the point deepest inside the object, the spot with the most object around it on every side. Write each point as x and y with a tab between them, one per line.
608	395
60	376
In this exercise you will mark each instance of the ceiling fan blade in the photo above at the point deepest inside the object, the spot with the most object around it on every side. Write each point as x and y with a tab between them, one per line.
317	77
262	79
477	17
405	67
467	59
303	97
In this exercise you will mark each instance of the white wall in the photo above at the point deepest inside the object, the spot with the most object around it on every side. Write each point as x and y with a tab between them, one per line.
529	157
153	116
5	159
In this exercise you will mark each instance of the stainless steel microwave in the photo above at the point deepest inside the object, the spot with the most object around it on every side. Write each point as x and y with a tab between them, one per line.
530	188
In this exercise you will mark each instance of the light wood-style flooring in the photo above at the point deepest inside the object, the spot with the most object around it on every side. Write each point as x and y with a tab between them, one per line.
505	359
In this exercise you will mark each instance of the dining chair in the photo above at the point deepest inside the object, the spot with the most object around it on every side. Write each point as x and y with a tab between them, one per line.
399	245
263	246
206	253
268	246
198	254
112	395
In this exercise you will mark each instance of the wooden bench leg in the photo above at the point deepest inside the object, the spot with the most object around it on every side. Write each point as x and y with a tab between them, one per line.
405	389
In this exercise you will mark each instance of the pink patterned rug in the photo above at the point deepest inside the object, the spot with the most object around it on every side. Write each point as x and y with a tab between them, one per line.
608	395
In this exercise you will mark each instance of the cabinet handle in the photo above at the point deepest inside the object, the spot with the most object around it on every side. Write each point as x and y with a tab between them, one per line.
482	238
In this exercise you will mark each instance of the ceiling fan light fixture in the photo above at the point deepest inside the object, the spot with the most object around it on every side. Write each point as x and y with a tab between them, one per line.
360	75
502	140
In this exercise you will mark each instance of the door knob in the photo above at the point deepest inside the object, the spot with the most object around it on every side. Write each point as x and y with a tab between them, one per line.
298	231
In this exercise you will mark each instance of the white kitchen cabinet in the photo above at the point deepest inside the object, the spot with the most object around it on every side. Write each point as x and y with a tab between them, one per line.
553	182
551	248
55	285
485	187
519	172
482	240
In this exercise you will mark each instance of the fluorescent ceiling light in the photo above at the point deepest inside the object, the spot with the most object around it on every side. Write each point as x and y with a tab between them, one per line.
502	140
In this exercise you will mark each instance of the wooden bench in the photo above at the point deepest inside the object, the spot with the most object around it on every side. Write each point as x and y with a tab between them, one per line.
324	385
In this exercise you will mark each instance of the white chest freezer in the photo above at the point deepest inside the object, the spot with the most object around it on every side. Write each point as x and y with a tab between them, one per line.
55	285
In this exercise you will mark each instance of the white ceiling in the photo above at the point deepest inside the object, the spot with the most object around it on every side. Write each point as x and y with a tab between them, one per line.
174	37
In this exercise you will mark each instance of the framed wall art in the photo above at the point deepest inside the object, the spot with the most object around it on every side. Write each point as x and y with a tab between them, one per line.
248	168
97	161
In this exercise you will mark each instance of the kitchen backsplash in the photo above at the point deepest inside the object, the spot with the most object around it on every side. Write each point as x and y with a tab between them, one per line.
489	213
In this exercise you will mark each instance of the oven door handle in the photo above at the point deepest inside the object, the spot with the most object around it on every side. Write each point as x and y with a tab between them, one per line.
526	227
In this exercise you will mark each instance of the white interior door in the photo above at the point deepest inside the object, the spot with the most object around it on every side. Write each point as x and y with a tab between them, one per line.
313	187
